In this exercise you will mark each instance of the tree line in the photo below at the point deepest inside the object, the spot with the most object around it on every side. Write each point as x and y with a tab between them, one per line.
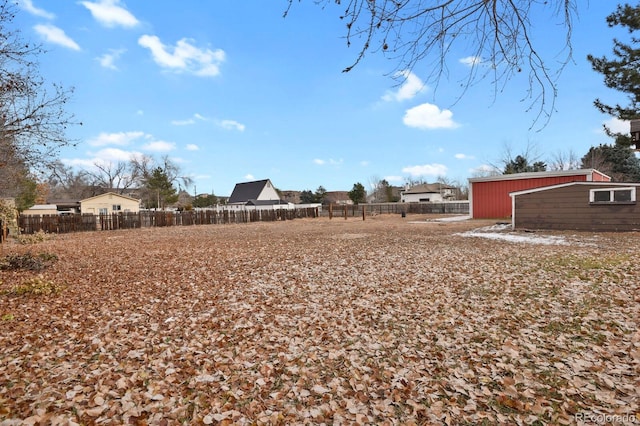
152	180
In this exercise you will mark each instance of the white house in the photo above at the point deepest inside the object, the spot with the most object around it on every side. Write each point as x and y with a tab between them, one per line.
259	194
428	192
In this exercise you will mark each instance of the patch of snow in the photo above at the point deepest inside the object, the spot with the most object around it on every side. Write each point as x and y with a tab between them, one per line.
453	218
444	219
499	232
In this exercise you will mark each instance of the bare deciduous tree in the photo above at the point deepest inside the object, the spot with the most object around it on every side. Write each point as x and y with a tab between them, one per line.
115	177
564	160
33	118
65	183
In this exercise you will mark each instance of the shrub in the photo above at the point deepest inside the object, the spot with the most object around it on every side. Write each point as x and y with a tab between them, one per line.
37	237
34	286
27	261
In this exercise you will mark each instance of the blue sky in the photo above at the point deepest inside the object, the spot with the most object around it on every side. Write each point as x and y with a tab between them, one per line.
233	92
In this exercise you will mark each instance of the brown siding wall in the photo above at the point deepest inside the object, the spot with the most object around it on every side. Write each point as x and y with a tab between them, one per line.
568	208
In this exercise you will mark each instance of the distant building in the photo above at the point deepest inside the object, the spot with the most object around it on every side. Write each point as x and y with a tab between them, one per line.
109	203
337	197
429	193
40	209
256	193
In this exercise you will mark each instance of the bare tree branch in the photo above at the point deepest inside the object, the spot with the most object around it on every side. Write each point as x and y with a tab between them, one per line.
33	118
496	32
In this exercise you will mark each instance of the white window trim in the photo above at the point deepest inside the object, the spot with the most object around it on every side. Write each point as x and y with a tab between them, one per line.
611	197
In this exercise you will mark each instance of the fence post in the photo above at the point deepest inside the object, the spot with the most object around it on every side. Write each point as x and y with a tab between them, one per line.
364	208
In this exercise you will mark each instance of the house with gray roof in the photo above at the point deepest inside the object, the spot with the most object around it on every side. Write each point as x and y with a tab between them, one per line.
256	193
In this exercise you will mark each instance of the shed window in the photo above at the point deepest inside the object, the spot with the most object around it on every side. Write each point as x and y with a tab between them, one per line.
102	211
612	196
116	207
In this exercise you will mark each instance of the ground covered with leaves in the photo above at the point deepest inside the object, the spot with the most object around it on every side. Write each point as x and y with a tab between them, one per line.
385	321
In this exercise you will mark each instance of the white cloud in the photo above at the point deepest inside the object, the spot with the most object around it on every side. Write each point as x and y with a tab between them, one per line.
428	116
103	156
120	138
426	170
83	163
618	126
470	61
55	35
190	121
108	59
249	176
483	170
330	161
28	6
159	146
139	112
192	147
364	163
231	125
128	138
184	57
107	155
110	13
114	154
464	157
411	87
187	122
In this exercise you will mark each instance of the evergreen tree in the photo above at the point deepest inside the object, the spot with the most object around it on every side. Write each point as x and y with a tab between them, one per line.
320	194
617	160
160	188
358	194
623	72
520	164
307	197
28	193
209	200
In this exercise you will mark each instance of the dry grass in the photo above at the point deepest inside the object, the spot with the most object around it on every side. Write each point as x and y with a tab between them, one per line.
317	321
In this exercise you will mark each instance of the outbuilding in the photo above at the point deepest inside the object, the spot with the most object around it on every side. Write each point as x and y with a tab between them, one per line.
581	206
489	196
109	203
41	209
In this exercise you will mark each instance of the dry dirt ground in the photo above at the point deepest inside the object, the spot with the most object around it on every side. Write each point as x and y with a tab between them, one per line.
385	321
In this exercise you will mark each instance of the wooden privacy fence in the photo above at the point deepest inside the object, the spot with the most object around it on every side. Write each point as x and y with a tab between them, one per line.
108	222
341	210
